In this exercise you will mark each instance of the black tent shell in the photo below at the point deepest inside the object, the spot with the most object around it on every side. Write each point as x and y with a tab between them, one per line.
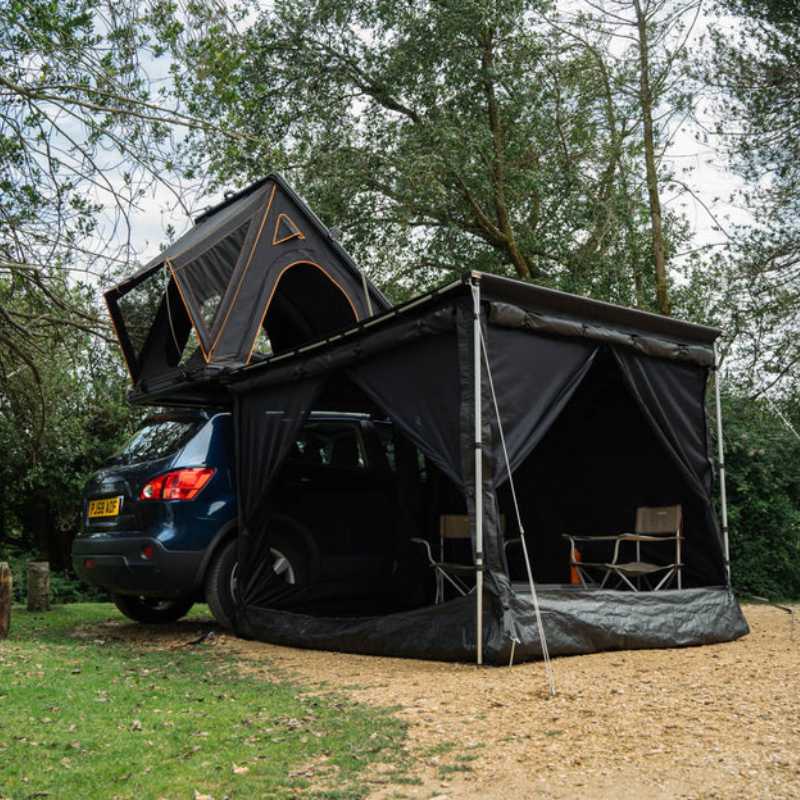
261	260
596	410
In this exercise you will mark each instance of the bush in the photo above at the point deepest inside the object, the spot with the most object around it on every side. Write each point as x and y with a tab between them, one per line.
65	587
763	470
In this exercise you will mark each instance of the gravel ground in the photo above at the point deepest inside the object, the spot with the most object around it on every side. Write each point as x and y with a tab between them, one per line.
721	721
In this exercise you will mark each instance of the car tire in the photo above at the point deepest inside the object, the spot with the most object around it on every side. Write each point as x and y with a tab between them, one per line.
151	610
290	560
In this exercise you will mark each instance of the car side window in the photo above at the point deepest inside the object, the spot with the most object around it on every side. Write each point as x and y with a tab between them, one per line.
338	445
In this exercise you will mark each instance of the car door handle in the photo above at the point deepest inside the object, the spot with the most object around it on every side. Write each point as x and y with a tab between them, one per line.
305	479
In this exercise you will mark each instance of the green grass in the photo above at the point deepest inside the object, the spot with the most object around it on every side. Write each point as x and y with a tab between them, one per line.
85	717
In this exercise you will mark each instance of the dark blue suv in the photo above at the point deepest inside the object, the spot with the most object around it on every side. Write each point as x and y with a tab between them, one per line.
159	520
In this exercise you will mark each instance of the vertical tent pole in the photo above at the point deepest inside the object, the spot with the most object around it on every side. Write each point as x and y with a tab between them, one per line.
476	367
721	450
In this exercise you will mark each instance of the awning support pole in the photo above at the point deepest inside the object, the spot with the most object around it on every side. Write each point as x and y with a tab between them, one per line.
476	368
721	450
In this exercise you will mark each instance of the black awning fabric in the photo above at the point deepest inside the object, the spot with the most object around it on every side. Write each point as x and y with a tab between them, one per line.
672	397
418	369
534	378
267	423
418	387
511	316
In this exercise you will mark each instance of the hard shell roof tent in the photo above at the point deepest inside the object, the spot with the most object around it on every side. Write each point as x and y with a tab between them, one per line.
257	274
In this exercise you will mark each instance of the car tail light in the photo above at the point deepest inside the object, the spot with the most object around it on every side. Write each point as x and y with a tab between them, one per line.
180	484
148	551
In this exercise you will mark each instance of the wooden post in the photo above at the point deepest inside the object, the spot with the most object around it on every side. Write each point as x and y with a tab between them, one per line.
6	594
38	586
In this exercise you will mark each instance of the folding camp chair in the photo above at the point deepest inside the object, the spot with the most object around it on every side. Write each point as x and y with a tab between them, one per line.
452	527
659	525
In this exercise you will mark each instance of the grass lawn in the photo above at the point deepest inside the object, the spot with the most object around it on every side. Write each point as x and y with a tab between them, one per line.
82	717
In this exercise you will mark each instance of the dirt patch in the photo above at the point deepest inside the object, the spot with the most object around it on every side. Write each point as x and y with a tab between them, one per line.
721	721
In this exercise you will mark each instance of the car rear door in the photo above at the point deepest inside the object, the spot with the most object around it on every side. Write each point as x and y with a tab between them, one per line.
333	485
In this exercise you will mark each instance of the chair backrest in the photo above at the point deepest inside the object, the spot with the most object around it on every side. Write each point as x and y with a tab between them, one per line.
456	526
665	520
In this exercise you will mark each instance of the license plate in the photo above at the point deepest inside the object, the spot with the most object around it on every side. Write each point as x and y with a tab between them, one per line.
107	507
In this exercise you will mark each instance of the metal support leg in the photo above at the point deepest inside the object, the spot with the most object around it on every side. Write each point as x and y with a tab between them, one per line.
722	490
476	366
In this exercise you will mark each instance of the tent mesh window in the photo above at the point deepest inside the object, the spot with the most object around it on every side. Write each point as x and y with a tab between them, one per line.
208	275
139	308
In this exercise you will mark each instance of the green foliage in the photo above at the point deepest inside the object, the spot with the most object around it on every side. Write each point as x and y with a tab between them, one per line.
752	71
86	715
439	137
62	414
762	458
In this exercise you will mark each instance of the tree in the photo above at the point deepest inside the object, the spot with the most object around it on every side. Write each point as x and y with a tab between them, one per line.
47	457
85	133
440	136
645	44
751	75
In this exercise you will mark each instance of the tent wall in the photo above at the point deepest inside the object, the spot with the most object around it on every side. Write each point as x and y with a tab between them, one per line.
418	368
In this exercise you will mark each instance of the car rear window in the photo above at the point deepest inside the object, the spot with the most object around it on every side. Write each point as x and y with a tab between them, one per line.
157	439
330	444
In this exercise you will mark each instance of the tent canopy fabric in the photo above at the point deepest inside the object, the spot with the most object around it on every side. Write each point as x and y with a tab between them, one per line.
257	274
633	391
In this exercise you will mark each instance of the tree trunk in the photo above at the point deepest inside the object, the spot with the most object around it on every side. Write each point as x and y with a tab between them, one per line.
6	594
646	100
38	586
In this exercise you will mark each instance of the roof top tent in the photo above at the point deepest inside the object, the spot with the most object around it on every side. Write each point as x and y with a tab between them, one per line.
257	274
588	410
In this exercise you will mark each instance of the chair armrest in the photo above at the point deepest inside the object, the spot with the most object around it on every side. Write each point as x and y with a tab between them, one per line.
509	542
573	538
648	537
427	547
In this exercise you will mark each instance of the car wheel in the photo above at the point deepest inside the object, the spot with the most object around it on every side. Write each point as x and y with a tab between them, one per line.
289	563
151	610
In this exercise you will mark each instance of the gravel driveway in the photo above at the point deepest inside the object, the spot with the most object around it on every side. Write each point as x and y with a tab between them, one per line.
721	721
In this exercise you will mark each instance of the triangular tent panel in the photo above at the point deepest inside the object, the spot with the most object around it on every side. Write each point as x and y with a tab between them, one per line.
259	265
285	229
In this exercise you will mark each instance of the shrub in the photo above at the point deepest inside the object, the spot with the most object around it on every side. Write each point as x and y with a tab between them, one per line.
763	470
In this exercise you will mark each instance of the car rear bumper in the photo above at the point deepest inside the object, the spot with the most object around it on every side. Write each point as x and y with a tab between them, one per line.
116	563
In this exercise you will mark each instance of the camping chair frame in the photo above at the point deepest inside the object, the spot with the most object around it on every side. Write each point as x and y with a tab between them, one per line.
451	526
655	525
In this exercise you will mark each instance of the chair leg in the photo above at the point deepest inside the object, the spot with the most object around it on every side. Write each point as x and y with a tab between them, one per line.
625	578
665	579
454	582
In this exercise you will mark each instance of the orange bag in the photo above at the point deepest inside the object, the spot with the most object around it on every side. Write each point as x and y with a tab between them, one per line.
574	578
